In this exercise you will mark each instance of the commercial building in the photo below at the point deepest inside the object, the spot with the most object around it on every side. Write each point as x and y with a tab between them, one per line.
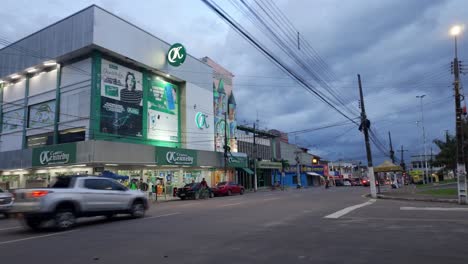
94	93
260	147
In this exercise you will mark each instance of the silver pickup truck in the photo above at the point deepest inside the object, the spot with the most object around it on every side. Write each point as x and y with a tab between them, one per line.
70	197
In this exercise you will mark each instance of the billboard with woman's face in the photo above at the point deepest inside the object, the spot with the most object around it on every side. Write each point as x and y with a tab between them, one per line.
121	100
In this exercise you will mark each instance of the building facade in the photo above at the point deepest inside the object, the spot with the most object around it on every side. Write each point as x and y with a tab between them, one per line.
94	93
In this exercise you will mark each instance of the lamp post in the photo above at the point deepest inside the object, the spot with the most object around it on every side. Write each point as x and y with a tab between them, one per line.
461	171
426	176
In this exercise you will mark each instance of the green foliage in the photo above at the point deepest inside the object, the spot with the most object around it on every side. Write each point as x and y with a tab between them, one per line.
448	152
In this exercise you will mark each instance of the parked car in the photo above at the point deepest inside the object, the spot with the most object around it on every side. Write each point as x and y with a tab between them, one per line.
356	182
6	202
193	191
71	197
228	188
346	183
339	183
366	182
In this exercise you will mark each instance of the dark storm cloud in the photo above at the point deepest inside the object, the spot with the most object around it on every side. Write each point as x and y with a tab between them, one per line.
400	48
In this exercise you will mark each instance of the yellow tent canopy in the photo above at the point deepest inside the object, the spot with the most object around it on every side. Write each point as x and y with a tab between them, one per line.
387	166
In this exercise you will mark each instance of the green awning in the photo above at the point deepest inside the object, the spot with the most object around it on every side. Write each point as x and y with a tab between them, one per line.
249	171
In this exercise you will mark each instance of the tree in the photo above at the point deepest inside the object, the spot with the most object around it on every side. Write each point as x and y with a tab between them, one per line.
448	152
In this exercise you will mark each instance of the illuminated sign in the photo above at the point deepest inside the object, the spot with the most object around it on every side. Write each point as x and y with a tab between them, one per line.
200	120
176	55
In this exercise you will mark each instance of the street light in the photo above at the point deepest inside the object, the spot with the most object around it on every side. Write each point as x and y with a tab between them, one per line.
461	171
424	139
455	31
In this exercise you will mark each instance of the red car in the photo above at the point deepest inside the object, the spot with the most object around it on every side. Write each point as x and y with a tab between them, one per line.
227	188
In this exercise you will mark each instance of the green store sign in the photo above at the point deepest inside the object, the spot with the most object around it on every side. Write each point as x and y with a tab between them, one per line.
176	55
176	156
265	164
54	155
237	162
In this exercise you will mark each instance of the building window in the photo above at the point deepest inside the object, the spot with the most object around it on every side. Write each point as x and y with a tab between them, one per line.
40	140
42	114
72	135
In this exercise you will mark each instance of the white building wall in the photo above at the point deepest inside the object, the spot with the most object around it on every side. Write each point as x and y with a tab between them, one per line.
197	100
75	92
14	92
43	82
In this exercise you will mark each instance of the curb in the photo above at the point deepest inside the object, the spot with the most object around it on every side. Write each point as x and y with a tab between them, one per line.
437	200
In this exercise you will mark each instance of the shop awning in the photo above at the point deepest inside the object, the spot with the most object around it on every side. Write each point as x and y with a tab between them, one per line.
249	171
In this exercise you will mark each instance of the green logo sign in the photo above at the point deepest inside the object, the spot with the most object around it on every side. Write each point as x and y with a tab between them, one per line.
112	91
237	162
200	120
54	155
175	156
176	55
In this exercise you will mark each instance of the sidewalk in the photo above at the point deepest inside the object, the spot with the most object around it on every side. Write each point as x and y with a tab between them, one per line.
411	193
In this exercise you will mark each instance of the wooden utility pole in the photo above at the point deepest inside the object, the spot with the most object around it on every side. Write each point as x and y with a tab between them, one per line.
365	125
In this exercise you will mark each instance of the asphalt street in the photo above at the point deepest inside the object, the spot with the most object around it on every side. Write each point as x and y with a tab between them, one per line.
314	225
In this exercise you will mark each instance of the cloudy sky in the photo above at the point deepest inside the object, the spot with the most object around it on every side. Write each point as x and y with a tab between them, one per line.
401	48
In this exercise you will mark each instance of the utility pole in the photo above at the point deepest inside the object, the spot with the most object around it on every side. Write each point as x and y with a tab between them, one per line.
255	156
298	168
225	147
402	162
426	173
392	153
461	171
430	176
446	136
365	125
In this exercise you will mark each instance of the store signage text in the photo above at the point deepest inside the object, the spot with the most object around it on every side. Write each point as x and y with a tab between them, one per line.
176	55
200	120
54	155
175	156
237	162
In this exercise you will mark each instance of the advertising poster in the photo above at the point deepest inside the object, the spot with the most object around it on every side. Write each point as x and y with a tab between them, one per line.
121	100
163	111
220	108
13	120
42	114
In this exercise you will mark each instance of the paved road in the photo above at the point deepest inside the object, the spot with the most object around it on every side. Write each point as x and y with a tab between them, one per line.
263	227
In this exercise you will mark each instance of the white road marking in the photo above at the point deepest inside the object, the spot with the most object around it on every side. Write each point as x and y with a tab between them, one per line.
158	216
459	209
34	237
10	228
225	205
271	199
347	210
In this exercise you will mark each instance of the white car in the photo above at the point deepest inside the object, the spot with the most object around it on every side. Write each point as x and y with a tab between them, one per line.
71	197
6	202
346	183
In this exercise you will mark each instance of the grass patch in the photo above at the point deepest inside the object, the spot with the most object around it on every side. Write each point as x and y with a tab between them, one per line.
419	186
445	192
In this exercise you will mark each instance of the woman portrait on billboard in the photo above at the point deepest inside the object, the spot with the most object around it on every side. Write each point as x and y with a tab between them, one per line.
130	94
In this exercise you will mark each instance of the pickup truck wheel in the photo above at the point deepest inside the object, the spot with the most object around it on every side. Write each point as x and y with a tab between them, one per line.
138	209
183	198
33	223
64	219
